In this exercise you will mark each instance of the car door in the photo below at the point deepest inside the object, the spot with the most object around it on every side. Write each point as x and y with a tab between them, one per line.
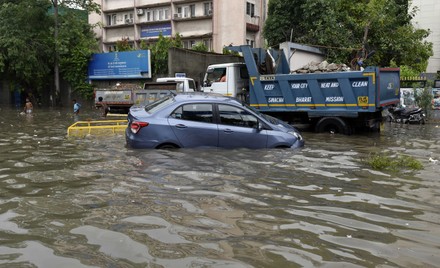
238	128
193	124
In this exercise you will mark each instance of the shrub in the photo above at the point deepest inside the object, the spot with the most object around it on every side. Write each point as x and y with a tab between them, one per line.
401	162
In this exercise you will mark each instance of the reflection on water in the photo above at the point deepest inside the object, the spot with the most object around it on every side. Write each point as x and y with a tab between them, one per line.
91	202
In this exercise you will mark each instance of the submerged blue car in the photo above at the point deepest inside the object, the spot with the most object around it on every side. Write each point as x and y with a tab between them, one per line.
199	119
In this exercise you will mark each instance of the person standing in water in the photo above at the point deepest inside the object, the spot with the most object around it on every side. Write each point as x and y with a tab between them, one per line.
76	107
104	107
28	107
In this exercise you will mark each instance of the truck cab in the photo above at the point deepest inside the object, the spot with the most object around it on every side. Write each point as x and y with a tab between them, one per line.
229	79
184	84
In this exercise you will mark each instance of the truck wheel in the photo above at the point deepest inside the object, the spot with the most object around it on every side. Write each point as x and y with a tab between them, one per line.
333	125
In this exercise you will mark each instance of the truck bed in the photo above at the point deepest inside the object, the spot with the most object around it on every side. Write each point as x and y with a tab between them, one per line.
320	94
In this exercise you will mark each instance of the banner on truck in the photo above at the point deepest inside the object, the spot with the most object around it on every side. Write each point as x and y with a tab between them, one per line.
120	65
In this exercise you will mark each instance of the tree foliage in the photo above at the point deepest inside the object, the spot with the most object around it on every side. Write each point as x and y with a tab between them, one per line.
87	5
348	30
25	43
423	98
200	46
123	45
159	52
28	47
76	45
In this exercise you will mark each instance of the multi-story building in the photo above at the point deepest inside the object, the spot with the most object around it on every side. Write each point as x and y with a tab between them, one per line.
427	18
215	23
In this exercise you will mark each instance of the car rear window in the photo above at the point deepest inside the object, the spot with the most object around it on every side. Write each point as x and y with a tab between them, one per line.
157	105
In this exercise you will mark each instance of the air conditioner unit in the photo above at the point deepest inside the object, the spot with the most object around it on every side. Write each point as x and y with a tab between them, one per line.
178	15
209	12
140	11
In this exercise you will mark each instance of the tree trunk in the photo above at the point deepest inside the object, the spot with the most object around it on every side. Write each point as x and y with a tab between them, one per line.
56	60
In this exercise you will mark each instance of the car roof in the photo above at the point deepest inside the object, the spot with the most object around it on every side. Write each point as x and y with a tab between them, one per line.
162	79
204	96
224	65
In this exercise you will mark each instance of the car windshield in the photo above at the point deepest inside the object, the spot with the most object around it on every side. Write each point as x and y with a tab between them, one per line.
269	118
157	105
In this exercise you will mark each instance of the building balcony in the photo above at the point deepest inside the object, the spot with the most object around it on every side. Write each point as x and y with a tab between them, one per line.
252	27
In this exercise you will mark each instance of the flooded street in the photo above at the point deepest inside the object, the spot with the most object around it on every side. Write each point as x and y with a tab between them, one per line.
91	202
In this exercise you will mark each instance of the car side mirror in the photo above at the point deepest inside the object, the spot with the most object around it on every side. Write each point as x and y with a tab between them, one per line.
260	126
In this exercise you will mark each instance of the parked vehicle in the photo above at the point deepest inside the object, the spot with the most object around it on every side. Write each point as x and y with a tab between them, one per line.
328	102
186	84
123	96
206	120
406	115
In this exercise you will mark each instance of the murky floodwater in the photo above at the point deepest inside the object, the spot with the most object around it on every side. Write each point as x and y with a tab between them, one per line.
91	202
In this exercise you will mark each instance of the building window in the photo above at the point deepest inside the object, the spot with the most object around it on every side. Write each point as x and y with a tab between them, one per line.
250	42
207	43
189	44
250	9
157	14
193	10
111	19
128	18
186	11
207	8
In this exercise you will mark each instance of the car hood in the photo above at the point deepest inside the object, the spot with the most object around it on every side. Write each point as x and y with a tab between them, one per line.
286	127
279	124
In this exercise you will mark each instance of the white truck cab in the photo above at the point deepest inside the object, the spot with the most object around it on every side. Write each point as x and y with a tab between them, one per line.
185	84
235	83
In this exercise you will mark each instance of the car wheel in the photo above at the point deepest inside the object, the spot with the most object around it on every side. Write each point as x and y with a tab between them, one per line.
167	146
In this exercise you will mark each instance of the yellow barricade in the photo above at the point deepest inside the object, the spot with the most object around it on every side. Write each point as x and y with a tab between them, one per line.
99	127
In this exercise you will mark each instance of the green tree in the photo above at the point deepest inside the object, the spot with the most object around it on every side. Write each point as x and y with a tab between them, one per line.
423	98
200	46
159	52
86	5
76	45
25	43
349	30
123	45
28	47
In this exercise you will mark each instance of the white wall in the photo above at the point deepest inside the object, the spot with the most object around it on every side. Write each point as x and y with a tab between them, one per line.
428	17
300	55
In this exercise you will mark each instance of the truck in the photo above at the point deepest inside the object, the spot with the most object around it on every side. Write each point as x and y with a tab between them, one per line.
336	102
121	97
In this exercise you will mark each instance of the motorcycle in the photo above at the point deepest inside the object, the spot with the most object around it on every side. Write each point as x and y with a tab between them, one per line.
406	115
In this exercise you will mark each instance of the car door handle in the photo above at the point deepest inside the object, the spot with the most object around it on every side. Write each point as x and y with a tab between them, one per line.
181	126
228	130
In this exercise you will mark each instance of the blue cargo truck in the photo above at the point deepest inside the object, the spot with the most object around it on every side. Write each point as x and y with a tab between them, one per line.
339	102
